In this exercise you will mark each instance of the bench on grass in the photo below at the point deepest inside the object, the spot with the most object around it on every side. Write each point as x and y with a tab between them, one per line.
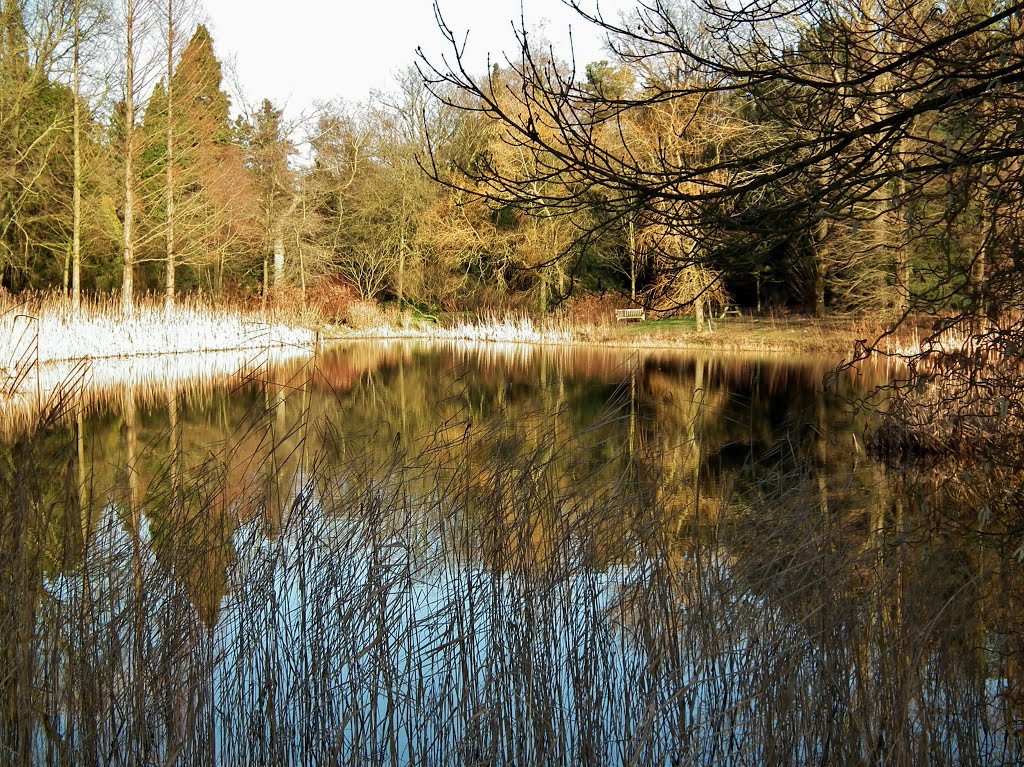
728	309
622	315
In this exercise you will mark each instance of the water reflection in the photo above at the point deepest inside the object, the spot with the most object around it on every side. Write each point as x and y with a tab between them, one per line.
419	554
58	391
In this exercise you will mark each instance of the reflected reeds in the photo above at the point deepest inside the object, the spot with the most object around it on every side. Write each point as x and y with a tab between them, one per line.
398	555
58	391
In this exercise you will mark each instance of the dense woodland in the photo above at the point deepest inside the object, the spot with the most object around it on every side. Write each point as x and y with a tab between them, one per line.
826	156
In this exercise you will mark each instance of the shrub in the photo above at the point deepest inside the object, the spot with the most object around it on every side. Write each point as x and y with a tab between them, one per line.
363	315
332	299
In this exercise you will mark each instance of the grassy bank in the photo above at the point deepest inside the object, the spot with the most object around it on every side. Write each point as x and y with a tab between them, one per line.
774	333
43	328
769	333
506	329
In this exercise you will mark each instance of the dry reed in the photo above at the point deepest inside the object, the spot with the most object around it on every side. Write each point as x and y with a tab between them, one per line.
491	591
45	329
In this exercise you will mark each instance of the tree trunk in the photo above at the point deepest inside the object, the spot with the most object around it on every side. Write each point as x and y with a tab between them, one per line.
979	270
171	263
278	259
401	271
76	186
266	281
632	261
128	233
820	268
900	234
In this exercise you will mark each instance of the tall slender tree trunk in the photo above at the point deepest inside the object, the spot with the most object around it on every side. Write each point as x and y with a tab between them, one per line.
76	187
278	258
266	281
979	269
171	262
632	260
895	220
900	234
401	253
401	270
820	268
128	233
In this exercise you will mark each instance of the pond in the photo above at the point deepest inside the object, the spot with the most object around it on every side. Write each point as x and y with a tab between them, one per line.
425	554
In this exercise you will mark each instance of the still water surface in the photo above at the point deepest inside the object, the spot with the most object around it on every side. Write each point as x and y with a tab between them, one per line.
401	554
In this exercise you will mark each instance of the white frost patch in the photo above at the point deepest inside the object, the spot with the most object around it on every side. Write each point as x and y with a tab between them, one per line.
52	362
58	335
503	330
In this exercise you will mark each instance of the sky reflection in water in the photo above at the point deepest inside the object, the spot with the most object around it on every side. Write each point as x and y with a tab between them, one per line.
397	554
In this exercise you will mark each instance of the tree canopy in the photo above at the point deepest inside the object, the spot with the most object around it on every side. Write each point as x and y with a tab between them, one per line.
823	156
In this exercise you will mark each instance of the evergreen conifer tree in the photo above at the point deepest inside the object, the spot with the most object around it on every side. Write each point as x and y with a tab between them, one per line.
210	190
35	159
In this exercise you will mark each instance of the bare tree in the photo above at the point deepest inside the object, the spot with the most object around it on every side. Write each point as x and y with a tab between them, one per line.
885	128
137	20
76	204
173	22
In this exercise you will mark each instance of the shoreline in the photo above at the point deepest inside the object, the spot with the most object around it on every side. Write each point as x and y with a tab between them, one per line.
759	336
49	333
44	331
29	382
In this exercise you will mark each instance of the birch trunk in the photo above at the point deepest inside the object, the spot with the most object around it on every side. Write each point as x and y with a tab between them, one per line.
128	233
278	259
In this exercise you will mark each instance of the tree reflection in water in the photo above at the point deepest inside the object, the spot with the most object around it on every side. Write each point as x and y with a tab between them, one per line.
402	554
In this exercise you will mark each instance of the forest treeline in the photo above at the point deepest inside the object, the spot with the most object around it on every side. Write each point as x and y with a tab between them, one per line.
824	155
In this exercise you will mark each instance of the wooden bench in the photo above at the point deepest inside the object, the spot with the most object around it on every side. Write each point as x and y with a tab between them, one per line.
621	315
727	309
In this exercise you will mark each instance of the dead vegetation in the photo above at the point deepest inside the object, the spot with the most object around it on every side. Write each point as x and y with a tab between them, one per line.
960	398
496	589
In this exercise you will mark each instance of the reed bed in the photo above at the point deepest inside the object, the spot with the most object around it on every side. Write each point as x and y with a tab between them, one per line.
960	397
480	594
952	417
506	329
45	329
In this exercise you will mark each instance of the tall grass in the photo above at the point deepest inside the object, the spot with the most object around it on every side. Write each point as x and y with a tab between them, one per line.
960	395
44	328
494	590
501	329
